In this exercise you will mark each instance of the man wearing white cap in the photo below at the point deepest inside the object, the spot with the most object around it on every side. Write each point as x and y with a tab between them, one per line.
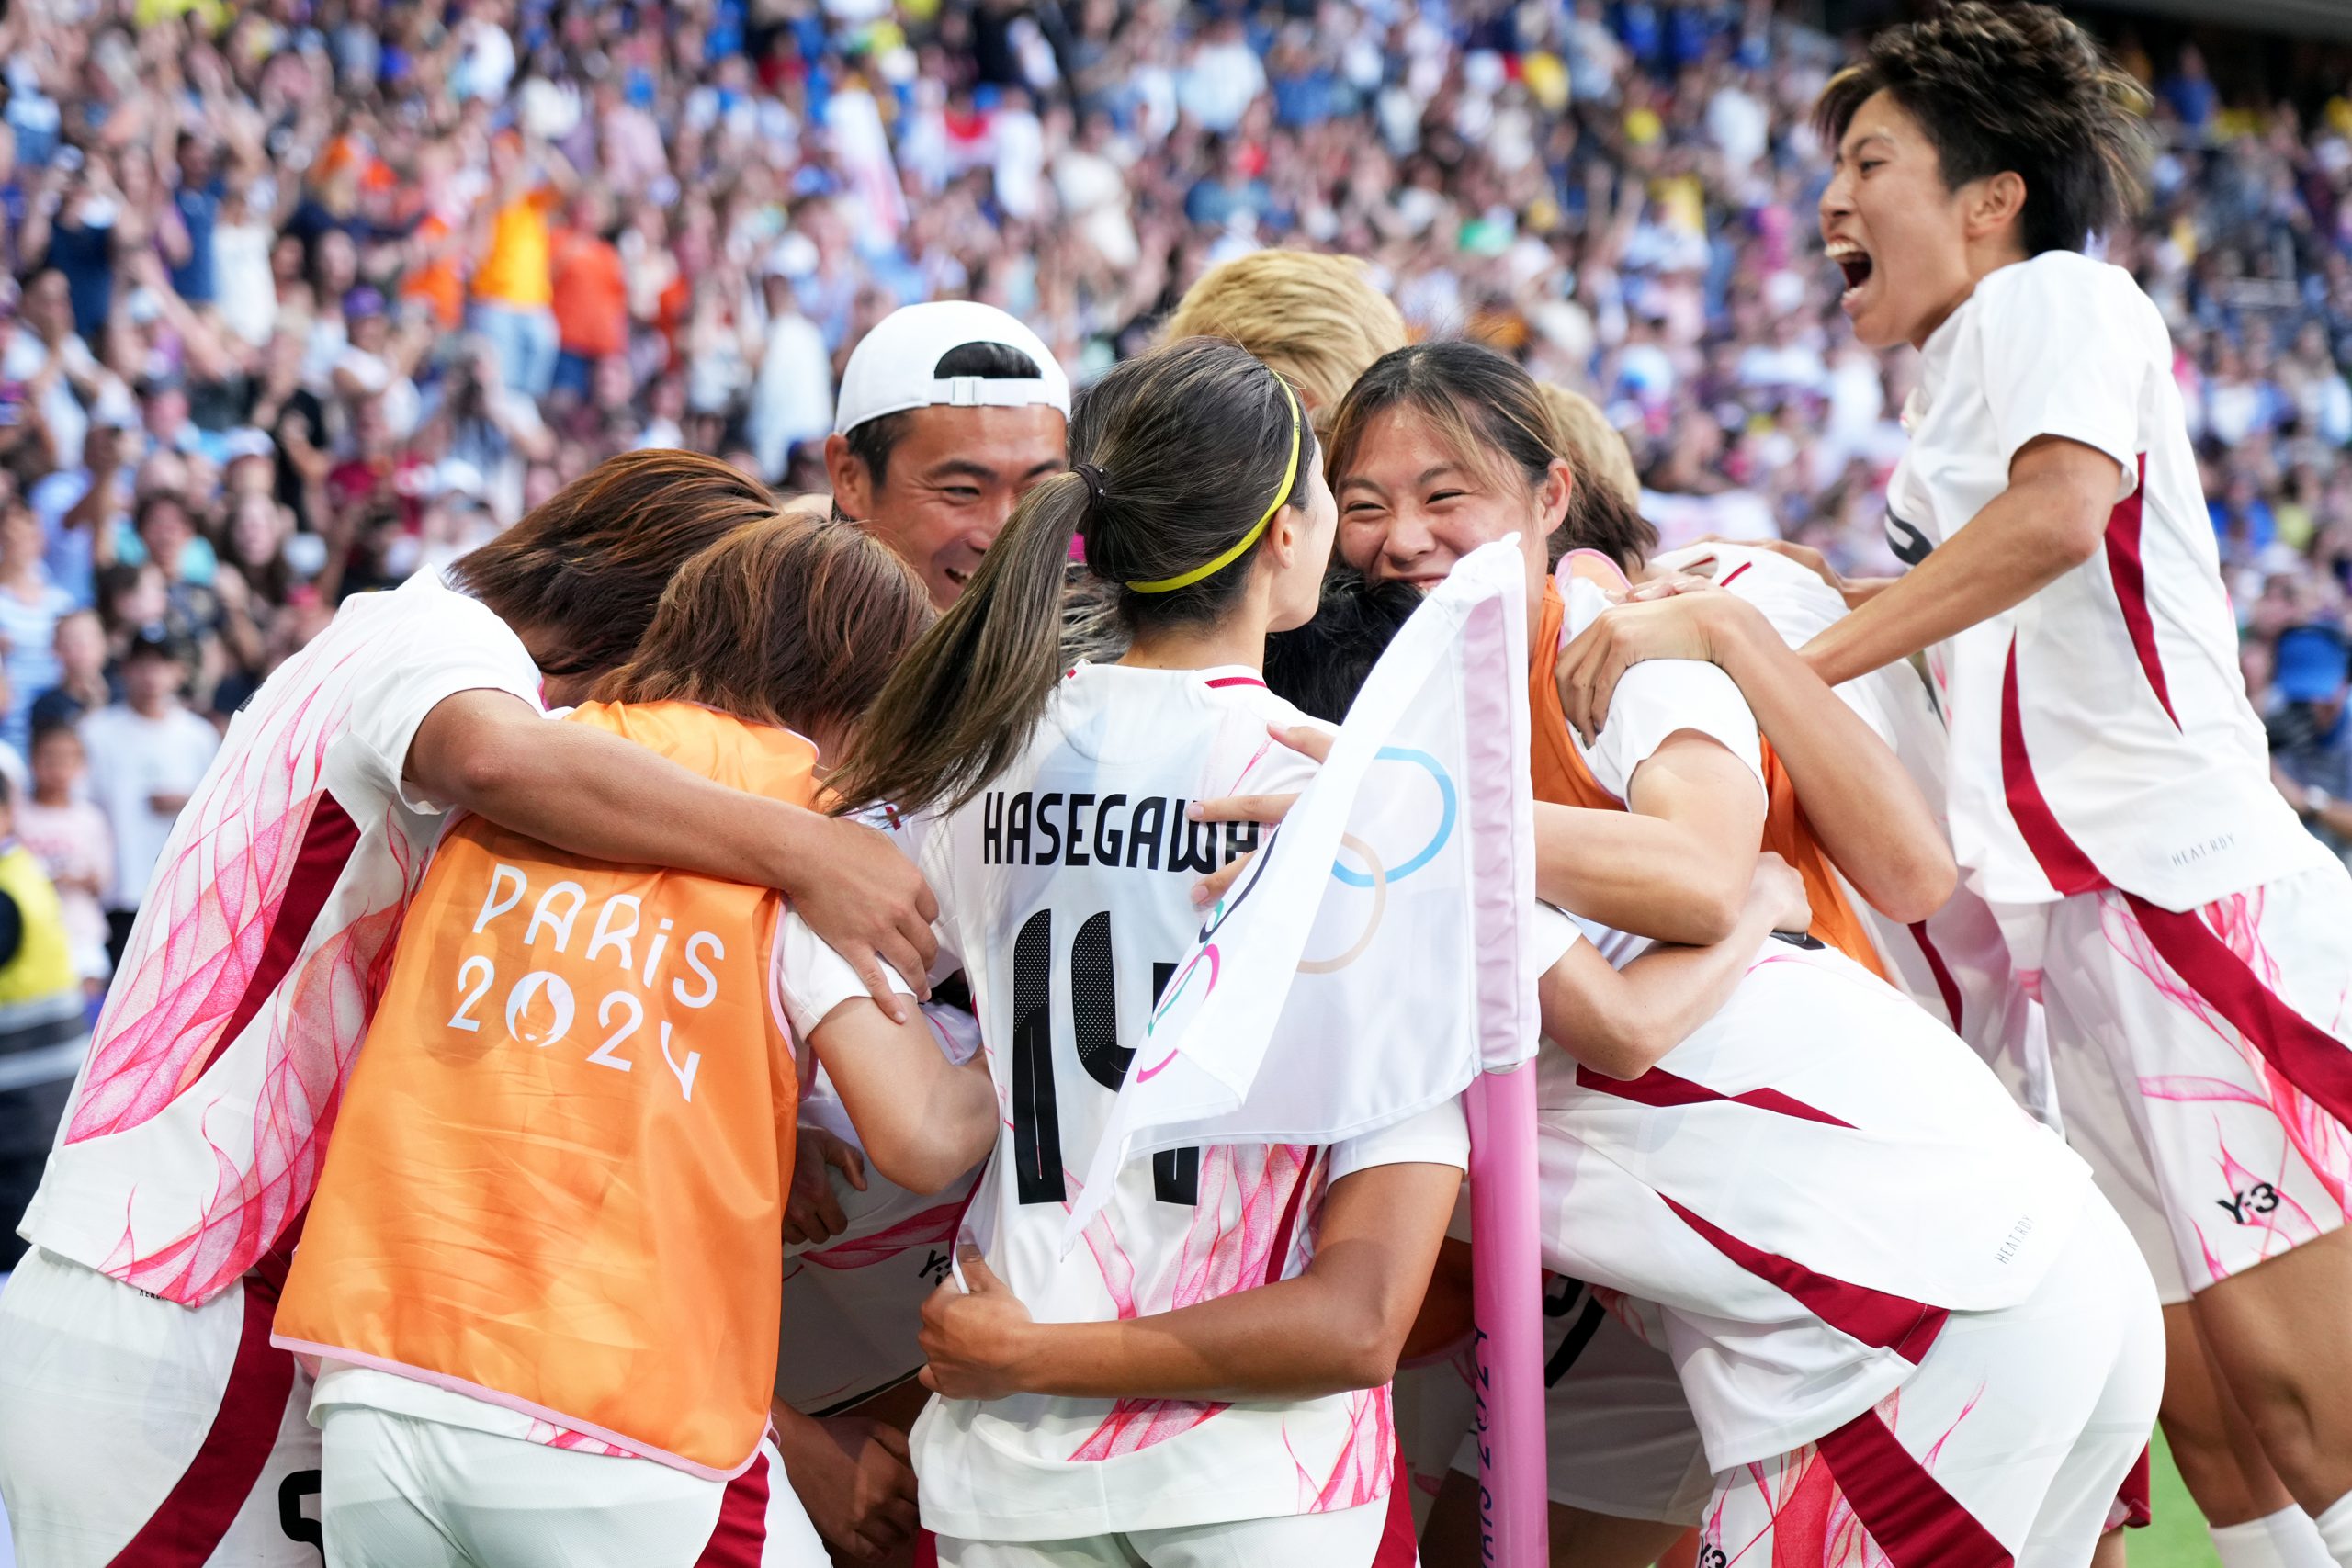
948	412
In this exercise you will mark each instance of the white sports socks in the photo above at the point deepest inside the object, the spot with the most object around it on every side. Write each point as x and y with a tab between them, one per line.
2335	1530
2286	1538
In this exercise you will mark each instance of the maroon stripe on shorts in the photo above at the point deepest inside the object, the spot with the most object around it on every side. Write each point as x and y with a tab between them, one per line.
1915	1522
327	845
1663	1089
1874	1317
2060	859
740	1534
2131	576
2133	1499
1946	987
1734	572
1399	1547
185	1531
2305	1054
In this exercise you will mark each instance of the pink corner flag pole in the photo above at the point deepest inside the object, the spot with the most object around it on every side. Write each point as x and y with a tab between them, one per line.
1507	1290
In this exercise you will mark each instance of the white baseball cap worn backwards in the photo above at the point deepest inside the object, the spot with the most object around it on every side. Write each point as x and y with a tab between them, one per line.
894	367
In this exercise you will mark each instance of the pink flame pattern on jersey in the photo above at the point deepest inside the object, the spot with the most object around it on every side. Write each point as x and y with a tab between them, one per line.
208	928
181	983
1259	1182
1365	1466
2311	1133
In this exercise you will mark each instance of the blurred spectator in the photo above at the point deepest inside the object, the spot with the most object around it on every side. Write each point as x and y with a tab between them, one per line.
44	1032
2310	729
147	755
81	685
30	608
69	836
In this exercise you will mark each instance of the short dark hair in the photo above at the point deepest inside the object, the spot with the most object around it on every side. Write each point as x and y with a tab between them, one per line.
2018	88
1319	667
873	442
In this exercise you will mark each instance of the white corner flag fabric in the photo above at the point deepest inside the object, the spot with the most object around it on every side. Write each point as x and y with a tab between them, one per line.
1371	962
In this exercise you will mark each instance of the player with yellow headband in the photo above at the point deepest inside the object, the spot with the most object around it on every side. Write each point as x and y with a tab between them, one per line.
1204	1380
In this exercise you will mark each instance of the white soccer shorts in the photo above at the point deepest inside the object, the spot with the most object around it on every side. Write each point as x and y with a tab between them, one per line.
1377	1535
403	1491
131	1428
2230	1029
2009	1444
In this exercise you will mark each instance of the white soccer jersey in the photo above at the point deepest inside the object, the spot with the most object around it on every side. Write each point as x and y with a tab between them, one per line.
1808	1186
198	1127
1954	962
2100	730
1065	891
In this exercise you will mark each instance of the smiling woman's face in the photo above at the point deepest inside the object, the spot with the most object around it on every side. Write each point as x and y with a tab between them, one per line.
1411	505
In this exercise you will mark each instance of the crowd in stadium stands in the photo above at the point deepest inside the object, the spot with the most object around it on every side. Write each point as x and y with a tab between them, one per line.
305	295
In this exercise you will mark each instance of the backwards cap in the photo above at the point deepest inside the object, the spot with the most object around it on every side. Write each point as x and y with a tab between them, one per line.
894	367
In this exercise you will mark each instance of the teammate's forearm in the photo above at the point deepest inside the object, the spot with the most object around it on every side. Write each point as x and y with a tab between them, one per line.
1338	1325
1859	800
1631	873
1289	1340
923	1121
590	792
1621	1022
2025	539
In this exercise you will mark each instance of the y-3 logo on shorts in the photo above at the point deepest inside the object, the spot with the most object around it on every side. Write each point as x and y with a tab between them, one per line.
1712	1556
935	1268
2243	1207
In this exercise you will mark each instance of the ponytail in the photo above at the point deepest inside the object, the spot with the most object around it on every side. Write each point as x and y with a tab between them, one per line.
964	702
1183	454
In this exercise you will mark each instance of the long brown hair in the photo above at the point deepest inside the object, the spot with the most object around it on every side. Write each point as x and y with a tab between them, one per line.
1186	447
793	620
590	563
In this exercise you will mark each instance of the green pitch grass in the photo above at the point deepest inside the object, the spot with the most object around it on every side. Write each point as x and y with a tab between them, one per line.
2177	1538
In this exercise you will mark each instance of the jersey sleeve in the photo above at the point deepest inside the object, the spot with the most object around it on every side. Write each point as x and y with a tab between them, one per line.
1659	698
2066	355
1550	934
1439	1136
813	979
446	643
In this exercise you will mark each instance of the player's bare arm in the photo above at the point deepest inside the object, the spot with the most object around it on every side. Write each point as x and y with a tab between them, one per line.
1620	1021
2049	521
1338	1325
594	793
1858	799
924	1120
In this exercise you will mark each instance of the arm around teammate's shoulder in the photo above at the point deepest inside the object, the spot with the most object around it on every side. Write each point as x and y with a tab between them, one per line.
590	793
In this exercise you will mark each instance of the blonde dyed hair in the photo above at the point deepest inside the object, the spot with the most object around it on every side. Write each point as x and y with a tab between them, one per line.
1315	319
1582	434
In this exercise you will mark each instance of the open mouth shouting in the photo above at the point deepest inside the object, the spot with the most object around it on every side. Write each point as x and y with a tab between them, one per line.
1855	263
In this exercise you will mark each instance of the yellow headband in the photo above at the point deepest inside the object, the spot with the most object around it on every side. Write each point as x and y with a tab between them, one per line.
1281	493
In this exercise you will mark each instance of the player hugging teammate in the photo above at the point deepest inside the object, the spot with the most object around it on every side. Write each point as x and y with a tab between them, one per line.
648	1180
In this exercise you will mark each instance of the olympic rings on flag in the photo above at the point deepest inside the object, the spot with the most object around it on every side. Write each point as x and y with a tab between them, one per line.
1377	880
1437	841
